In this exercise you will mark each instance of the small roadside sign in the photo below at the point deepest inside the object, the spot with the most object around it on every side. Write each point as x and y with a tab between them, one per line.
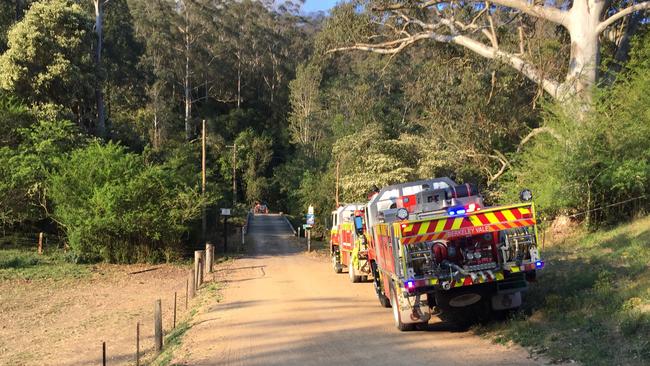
225	212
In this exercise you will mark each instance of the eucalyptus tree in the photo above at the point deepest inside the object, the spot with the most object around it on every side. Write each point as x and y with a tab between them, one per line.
99	45
48	58
388	27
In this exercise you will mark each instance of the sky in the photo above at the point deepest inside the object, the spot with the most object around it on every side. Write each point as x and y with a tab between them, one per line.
316	5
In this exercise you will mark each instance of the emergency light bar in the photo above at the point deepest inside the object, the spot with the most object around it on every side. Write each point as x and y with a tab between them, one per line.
461	210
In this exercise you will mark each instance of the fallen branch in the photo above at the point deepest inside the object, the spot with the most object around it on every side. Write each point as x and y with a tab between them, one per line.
537	131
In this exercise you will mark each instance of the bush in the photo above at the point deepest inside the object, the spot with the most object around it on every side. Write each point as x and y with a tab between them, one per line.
115	206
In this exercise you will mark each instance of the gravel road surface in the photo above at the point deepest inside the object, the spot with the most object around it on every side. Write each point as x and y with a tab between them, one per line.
283	307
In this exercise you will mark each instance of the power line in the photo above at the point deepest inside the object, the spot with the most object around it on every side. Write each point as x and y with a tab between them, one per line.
606	206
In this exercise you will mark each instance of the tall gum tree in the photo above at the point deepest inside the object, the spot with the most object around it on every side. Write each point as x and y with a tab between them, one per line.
99	92
477	25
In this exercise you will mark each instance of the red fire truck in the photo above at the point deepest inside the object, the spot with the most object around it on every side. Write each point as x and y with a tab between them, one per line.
438	247
349	242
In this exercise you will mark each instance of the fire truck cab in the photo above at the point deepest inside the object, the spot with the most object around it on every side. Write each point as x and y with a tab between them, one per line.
349	242
439	248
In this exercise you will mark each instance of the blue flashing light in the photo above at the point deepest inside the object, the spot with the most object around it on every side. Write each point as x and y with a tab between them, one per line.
456	211
539	264
410	284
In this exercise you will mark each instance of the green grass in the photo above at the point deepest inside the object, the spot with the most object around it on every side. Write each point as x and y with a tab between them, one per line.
28	265
172	342
592	301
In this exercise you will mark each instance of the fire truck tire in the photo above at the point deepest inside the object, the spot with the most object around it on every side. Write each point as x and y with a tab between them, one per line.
376	283
336	264
397	317
383	300
354	278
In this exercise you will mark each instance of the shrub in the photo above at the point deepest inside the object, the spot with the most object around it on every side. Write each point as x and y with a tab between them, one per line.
115	206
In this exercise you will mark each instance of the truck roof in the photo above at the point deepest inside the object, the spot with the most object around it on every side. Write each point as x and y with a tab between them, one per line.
423	197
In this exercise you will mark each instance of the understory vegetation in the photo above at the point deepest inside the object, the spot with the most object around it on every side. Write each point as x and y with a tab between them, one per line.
592	301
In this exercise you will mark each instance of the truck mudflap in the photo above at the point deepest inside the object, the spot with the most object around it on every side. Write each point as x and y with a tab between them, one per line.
413	310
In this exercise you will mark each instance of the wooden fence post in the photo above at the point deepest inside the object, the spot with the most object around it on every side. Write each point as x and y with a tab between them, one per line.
192	279
209	257
103	353
174	310
40	243
198	256
157	320
137	344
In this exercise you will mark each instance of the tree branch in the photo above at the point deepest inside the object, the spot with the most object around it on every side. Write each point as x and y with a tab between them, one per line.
504	164
391	47
537	131
627	11
546	12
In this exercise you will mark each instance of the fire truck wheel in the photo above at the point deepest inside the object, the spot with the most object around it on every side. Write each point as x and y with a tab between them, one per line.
397	317
353	274
338	268
376	283
383	300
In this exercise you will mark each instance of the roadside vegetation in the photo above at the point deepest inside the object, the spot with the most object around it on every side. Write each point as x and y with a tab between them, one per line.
27	265
592	300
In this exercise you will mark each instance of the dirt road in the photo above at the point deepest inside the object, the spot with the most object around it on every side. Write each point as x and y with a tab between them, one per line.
282	307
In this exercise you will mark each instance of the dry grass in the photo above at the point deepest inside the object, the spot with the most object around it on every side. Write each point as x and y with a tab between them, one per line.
58	313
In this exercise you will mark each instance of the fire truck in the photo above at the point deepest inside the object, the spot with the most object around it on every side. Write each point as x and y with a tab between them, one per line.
349	242
439	249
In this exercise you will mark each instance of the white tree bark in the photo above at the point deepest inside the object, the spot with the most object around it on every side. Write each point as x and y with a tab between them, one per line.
584	22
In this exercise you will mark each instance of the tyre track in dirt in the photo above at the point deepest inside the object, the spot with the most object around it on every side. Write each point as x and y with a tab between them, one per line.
281	307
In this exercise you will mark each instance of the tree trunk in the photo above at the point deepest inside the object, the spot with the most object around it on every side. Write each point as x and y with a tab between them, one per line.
238	82
99	94
188	96
584	18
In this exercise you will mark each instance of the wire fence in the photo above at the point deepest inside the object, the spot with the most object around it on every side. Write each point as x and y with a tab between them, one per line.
177	302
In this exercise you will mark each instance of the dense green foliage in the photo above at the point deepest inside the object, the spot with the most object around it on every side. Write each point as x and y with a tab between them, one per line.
114	205
46	60
260	76
135	195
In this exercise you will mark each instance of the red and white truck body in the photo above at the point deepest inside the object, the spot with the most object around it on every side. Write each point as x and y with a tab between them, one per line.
439	248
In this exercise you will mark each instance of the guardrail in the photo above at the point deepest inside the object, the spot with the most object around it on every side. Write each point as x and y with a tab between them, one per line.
289	223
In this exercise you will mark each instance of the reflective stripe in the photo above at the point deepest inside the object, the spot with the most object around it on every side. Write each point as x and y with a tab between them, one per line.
492	218
508	215
457	223
476	221
424	228
440	225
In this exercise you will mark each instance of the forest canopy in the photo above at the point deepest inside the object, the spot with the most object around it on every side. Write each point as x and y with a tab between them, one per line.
102	106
